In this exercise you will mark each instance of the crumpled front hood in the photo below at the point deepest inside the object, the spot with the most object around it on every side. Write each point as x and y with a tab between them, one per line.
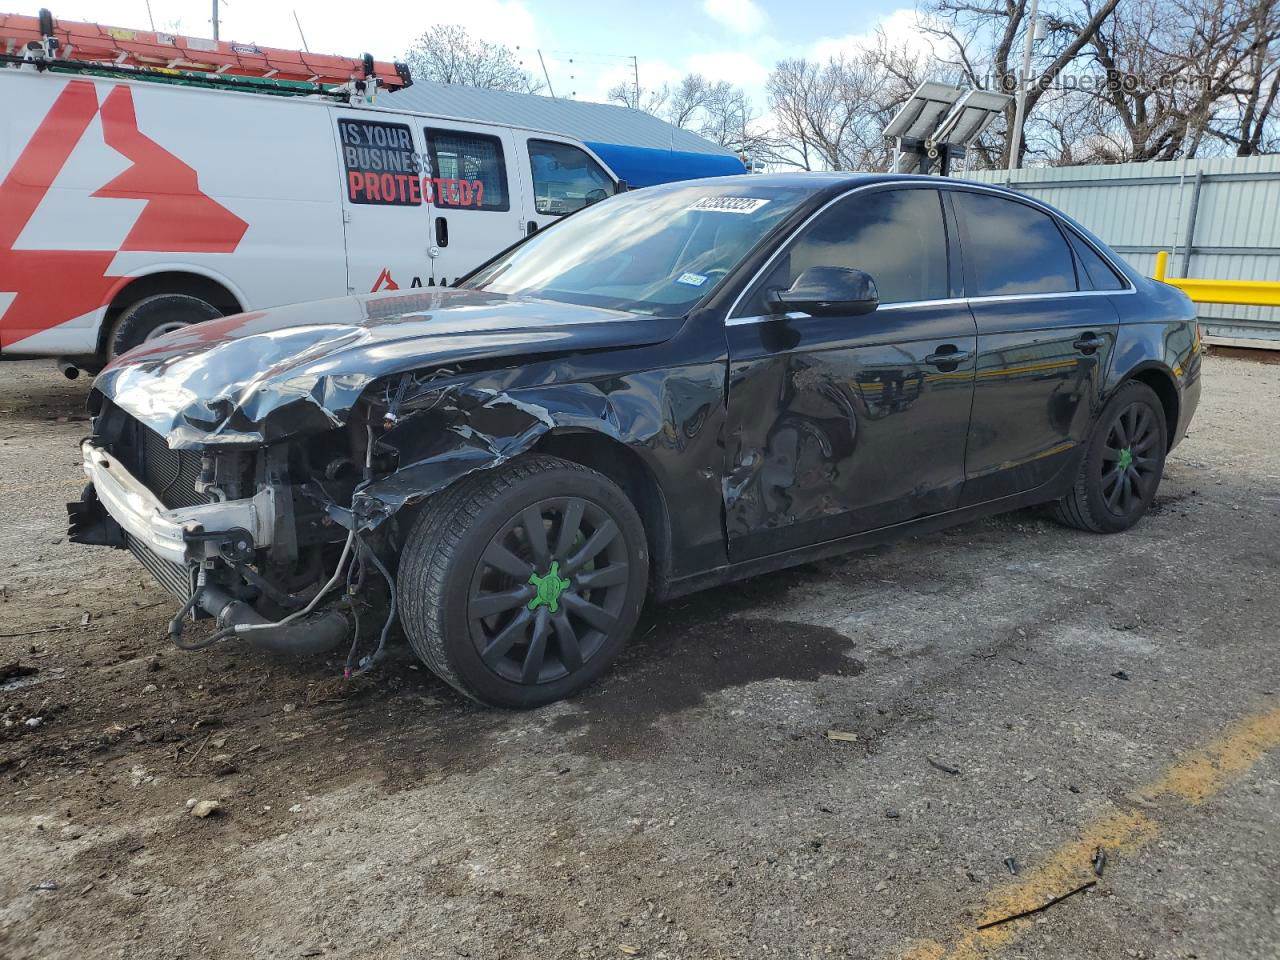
256	377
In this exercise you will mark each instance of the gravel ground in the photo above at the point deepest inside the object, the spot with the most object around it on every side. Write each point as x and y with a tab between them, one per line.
1013	696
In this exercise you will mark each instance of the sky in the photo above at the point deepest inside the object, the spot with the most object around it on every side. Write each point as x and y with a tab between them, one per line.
587	45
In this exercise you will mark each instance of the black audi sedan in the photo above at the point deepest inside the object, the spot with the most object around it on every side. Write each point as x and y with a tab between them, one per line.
674	388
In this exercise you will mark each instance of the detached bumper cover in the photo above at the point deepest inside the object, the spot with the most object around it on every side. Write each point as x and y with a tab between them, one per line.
181	535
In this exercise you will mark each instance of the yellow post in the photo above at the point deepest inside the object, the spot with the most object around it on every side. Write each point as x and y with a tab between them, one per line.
1249	293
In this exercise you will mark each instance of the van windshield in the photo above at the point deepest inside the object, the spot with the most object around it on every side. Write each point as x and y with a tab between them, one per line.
655	251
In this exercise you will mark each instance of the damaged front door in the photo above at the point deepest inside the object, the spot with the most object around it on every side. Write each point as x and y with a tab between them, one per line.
843	424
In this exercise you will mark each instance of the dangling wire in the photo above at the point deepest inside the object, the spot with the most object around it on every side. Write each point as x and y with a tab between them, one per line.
378	653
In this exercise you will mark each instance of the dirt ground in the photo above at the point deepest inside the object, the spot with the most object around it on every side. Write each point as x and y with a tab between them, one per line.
1011	696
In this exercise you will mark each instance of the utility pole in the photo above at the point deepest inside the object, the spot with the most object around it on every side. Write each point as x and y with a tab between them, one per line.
635	69
215	19
545	74
1020	111
301	36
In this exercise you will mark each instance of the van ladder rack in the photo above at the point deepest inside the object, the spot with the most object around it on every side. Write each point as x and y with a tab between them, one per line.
88	48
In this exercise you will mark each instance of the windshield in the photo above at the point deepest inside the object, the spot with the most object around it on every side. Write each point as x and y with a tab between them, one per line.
655	251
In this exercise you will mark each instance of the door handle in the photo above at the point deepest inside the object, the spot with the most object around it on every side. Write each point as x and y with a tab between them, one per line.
1087	343
533	228
947	357
442	232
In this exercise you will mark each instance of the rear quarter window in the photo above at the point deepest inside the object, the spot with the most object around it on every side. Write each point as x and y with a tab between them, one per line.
1095	273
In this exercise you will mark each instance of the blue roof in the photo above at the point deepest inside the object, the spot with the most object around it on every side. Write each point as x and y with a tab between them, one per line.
639	147
647	166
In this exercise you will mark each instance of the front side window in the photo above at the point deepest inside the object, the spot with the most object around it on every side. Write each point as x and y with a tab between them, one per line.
656	251
565	178
380	163
896	236
468	170
1012	248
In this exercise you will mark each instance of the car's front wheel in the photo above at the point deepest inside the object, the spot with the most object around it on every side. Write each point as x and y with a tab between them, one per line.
1122	465
520	585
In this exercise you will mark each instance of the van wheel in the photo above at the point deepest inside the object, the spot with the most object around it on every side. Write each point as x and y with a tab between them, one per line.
1122	464
520	585
155	316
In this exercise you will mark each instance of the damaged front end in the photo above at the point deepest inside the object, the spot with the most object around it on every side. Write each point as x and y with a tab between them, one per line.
260	469
228	531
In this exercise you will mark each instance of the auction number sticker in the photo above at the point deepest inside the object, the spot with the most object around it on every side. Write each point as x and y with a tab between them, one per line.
729	204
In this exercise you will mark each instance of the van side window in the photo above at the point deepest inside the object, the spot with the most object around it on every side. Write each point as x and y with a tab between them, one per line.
467	170
380	163
565	178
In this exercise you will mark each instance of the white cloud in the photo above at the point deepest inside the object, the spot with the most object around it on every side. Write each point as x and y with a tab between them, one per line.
901	28
739	68
740	16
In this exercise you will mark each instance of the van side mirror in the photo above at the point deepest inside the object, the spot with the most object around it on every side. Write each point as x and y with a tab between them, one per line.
828	291
622	187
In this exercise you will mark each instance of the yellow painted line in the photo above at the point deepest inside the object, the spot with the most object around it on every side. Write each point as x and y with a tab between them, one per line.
1202	773
1193	779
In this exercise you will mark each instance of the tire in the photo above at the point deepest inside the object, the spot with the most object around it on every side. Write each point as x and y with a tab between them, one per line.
548	633
1122	465
152	316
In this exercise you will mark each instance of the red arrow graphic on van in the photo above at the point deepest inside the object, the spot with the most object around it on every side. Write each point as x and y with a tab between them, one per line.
51	287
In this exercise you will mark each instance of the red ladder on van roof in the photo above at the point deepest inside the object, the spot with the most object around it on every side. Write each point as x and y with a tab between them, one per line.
117	47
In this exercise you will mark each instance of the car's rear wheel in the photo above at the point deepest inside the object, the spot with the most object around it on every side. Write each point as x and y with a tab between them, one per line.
1122	465
155	316
521	585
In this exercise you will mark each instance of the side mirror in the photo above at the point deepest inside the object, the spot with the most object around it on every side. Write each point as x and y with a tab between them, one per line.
622	187
829	291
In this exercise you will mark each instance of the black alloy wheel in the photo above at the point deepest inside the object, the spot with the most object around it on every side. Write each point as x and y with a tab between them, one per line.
548	589
1130	468
520	585
1122	464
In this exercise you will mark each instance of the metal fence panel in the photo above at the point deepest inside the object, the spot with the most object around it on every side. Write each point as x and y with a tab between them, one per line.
1219	217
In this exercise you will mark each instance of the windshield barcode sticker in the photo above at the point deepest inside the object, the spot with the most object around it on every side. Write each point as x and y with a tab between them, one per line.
691	279
729	204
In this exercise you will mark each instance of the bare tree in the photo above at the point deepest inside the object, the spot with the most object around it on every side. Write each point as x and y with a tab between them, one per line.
1189	77
718	110
639	98
983	40
832	115
1256	96
690	96
449	54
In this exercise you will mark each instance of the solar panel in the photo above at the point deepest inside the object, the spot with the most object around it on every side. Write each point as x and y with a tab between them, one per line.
921	114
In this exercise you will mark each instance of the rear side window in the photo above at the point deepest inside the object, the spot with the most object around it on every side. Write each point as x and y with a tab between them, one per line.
468	170
565	178
380	163
1095	273
897	236
1011	248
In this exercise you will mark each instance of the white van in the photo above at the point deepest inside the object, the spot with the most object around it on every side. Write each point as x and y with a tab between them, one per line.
131	206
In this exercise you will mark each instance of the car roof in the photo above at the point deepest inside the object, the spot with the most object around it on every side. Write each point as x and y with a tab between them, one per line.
827	181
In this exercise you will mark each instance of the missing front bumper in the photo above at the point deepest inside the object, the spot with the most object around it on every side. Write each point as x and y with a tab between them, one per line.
181	536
